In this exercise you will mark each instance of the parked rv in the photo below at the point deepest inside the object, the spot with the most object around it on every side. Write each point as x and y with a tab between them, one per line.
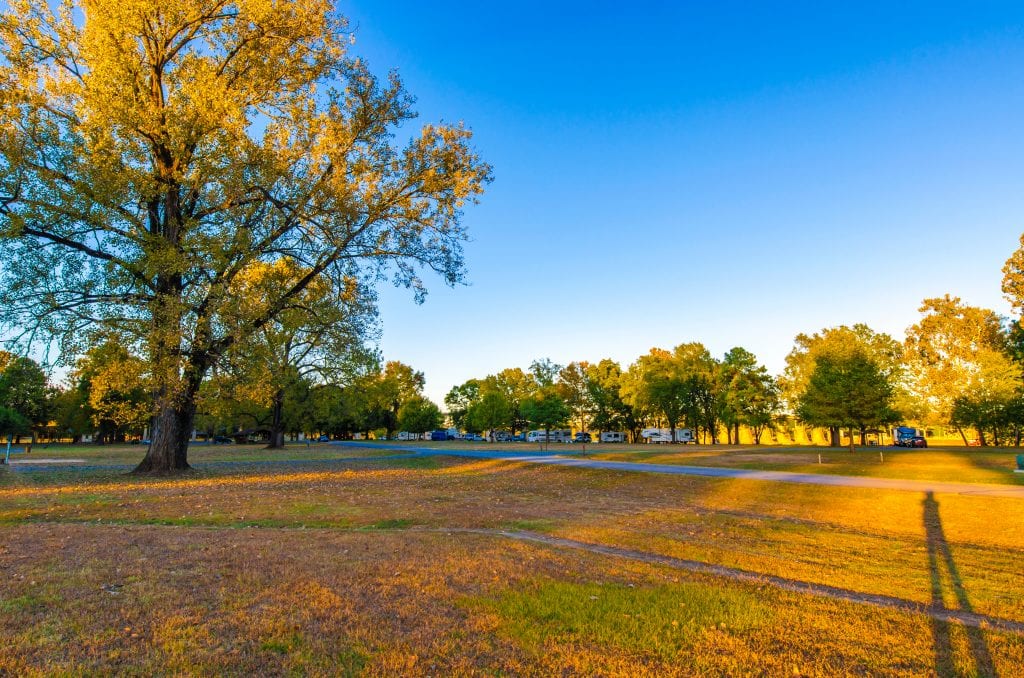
613	437
552	436
664	435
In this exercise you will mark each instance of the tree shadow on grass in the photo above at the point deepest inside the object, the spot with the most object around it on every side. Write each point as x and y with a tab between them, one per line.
941	557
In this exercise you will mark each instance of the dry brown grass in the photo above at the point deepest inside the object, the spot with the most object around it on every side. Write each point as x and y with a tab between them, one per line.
352	571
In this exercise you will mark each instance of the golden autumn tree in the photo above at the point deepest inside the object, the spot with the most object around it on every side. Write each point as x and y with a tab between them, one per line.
957	352
152	150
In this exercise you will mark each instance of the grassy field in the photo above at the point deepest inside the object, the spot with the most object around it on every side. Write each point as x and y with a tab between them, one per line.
404	566
969	465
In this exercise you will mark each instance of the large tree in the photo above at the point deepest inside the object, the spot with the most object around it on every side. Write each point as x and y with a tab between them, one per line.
152	150
848	391
958	351
840	343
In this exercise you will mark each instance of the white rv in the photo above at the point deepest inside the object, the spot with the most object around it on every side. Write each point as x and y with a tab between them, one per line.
664	435
555	435
613	437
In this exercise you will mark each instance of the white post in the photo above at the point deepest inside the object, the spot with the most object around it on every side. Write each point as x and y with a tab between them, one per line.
7	457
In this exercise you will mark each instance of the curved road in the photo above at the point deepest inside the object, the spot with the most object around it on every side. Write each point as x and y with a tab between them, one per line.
988	490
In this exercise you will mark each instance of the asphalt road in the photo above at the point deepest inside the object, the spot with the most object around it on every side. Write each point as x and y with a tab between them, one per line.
989	490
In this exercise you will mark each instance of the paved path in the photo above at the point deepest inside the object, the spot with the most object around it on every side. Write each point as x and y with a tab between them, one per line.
988	490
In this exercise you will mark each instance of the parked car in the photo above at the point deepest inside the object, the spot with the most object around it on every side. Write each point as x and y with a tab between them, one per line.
324	438
582	437
473	438
917	441
222	440
502	436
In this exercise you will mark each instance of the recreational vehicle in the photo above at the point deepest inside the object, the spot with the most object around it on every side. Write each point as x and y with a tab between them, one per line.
613	437
664	435
553	436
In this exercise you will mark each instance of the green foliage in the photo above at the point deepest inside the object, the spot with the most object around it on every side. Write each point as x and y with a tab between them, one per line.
491	411
847	391
958	351
25	390
419	415
460	399
546	409
610	410
12	423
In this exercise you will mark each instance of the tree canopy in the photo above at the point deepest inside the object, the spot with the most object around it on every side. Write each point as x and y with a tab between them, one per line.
152	152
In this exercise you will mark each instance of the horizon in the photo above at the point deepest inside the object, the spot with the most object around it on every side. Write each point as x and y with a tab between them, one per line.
766	173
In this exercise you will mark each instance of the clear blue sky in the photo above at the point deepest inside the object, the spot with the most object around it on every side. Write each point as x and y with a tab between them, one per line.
669	172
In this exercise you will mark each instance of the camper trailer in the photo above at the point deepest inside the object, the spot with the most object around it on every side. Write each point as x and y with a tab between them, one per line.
613	437
664	435
553	436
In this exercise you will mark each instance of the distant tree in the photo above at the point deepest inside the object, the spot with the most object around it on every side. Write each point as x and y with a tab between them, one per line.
547	410
419	415
838	343
704	385
545	371
573	385
957	351
847	391
460	399
394	386
610	411
25	389
320	336
516	385
656	382
491	411
751	395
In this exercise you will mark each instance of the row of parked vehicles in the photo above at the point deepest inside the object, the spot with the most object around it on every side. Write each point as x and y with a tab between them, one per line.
649	435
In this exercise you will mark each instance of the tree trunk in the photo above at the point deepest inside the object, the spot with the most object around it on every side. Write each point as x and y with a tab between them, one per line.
833	432
981	437
277	421
962	435
172	428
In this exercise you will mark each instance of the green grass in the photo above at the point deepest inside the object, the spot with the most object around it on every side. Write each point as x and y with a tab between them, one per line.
658	620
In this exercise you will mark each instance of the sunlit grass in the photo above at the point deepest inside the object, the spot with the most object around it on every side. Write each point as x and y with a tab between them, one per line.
660	621
939	464
379	567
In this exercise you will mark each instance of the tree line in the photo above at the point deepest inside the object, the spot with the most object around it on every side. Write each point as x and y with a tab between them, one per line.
959	366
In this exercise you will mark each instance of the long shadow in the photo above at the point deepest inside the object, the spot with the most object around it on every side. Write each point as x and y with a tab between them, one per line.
940	556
